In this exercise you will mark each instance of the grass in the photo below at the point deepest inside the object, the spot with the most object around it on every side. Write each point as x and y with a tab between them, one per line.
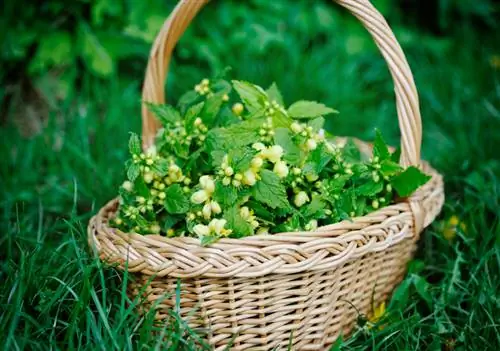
55	295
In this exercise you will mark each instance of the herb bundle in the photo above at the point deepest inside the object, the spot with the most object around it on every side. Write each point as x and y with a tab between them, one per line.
235	165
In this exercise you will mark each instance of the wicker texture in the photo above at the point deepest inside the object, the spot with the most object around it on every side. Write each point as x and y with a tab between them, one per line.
256	292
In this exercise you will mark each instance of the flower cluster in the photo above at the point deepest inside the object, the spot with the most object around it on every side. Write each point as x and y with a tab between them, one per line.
234	166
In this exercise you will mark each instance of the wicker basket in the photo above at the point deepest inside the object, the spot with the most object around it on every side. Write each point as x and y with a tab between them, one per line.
255	292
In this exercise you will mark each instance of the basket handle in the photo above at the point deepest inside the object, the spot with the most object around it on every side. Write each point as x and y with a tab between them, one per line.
406	93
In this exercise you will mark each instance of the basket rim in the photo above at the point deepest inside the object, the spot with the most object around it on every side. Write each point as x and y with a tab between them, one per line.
257	255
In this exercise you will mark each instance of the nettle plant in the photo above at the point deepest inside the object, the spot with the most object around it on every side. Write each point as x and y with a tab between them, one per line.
235	165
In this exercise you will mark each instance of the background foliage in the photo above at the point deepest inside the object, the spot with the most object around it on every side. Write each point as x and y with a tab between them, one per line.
70	94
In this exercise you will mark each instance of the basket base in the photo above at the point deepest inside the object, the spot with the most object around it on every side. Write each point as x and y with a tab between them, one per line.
306	310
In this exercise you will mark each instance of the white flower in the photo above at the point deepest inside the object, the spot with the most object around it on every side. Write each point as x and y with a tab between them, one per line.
201	230
300	199
207	211
228	171
257	162
321	134
148	177
263	231
226	181
207	183
258	146
151	151
254	224
197	121
127	185
311	177
200	196
312	225
249	177
244	212
217	225
311	144
237	108
296	127
215	207
273	153
281	169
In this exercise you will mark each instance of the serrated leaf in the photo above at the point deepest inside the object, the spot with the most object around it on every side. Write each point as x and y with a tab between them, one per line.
274	93
337	184
188	99
176	201
309	109
389	168
395	156
409	180
207	240
370	188
317	161
380	148
211	109
240	159
292	153
225	195
240	227
166	114
253	97
133	172
94	55
351	152
191	114
315	209
316	123
170	221
160	167
236	135
141	188
270	191
134	144
280	119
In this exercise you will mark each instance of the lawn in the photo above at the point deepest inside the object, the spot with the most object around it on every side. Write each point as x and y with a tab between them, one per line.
56	295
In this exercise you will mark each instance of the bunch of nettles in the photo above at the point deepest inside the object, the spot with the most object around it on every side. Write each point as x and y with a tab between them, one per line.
235	165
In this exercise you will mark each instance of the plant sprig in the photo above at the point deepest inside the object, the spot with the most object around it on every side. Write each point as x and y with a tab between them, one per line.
235	165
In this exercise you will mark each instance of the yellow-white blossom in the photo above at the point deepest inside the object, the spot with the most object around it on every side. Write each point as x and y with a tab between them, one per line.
127	185
257	162
312	225
216	226
148	177
311	144
200	196
280	169
249	177
301	198
214	205
258	146
296	127
273	153
207	183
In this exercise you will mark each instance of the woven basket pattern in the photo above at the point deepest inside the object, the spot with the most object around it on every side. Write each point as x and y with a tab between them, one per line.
257	293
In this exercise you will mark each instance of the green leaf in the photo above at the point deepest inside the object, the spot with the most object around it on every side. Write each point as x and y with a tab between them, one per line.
337	184
315	209
176	201
191	114
389	168
253	96
337	344
395	156
170	221
274	94
370	188
309	109
134	144
240	227
400	295
409	180
270	191
316	123
351	152
207	240
380	148
141	188
166	114
225	195
283	137
160	167
422	288
318	159
280	119
236	135
95	56
211	108
133	172
188	99
240	159
54	49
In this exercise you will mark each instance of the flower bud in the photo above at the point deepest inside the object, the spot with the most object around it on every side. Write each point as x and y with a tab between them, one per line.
225	97
197	121
257	162
312	225
300	199
249	178
207	211
162	195
155	228
214	205
238	176
237	109
127	185
375	204
148	177
258	146
140	199
280	169
226	181
228	171
296	127
273	153
311	144
244	212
